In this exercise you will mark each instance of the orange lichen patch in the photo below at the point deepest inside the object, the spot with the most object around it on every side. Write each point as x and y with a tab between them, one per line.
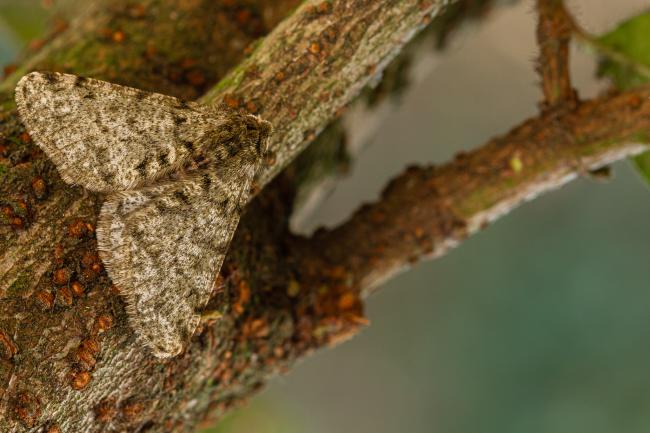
348	300
78	228
86	353
137	11
231	101
64	296
278	352
17	223
187	63
58	252
314	48
25	137
150	51
9	69
243	297
36	44
45	299
243	16
27	409
85	359
91	264
59	25
118	36
9	348
132	410
53	429
80	380
91	345
252	107
105	412
196	78
256	328
102	324
61	276
77	288
324	7
280	76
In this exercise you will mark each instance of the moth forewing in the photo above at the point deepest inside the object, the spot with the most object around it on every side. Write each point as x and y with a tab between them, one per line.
106	137
162	238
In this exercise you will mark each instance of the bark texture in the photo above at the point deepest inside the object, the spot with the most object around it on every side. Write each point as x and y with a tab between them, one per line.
68	362
67	358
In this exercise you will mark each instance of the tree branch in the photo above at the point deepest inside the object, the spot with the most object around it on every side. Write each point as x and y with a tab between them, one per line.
553	37
299	81
427	210
67	356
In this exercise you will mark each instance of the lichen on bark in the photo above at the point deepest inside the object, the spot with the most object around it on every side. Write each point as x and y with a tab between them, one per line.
69	358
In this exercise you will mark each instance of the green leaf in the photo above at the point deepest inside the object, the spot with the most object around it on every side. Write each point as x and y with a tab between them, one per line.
642	164
626	52
626	61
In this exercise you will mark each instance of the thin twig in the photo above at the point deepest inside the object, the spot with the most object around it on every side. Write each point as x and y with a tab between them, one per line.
553	38
427	210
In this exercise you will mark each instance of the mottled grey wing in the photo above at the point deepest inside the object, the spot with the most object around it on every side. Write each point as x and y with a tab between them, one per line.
107	137
163	246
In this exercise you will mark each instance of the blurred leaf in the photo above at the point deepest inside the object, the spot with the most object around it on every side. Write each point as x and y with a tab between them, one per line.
628	52
26	19
642	163
627	63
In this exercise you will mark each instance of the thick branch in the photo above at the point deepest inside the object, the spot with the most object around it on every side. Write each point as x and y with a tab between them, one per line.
299	80
427	210
74	363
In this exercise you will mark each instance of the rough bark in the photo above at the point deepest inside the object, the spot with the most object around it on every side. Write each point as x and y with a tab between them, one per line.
68	361
67	357
427	210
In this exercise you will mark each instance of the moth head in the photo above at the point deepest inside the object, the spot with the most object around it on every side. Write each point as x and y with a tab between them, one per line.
256	136
245	138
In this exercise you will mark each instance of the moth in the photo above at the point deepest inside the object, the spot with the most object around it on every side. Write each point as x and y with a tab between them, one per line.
176	175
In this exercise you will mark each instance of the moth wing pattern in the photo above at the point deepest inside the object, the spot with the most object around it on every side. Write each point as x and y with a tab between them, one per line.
106	137
162	232
163	246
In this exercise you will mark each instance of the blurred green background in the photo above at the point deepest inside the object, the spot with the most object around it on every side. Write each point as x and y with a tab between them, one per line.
541	323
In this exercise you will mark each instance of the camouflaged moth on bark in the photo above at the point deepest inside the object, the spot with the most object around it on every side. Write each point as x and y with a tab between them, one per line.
176	175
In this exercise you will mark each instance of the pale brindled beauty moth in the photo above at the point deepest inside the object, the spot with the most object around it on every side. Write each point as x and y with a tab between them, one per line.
176	175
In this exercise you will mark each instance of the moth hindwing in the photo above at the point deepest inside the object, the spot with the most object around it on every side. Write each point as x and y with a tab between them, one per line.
176	175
